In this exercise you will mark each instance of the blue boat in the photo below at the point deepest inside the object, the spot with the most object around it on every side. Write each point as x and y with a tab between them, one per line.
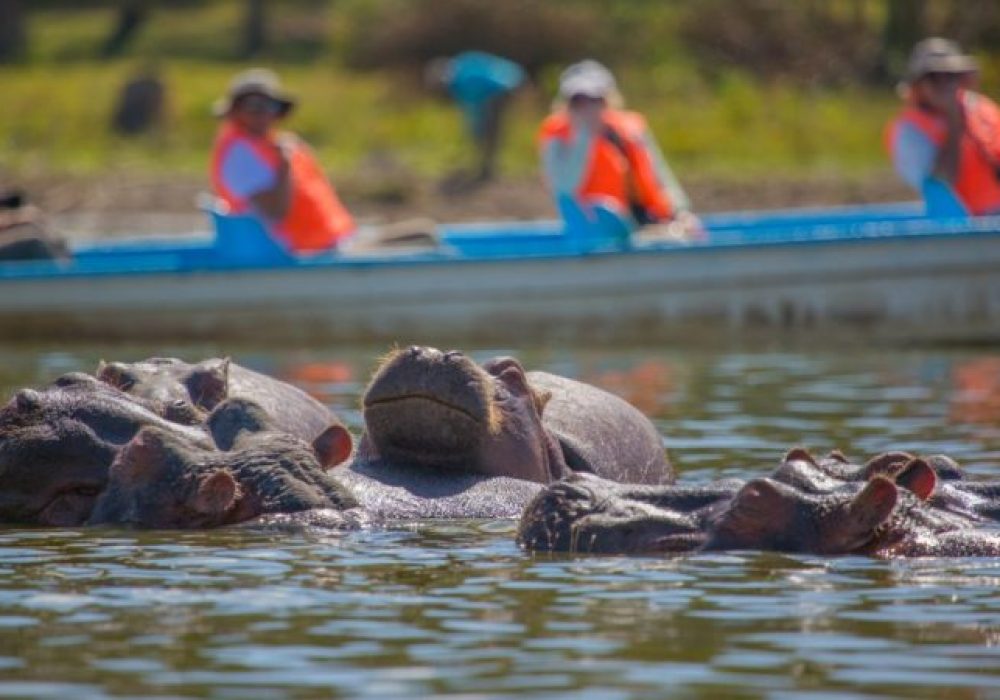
872	273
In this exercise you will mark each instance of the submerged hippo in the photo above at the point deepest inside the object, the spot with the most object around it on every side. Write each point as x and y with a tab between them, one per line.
937	479
192	390
873	517
161	480
56	446
432	410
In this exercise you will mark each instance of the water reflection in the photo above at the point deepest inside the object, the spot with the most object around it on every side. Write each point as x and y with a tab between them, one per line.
454	609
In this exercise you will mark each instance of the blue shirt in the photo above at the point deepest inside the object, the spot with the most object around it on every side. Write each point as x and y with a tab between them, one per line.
474	78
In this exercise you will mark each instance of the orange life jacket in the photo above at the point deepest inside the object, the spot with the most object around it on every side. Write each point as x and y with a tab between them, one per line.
620	166
978	182
315	220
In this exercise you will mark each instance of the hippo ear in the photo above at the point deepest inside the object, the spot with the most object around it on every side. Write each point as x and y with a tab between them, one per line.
838	456
874	504
919	477
216	493
27	400
115	374
541	399
799	454
514	378
885	463
333	446
208	384
945	467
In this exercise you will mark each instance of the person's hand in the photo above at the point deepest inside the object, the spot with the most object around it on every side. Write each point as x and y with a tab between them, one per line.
684	227
690	225
283	147
945	99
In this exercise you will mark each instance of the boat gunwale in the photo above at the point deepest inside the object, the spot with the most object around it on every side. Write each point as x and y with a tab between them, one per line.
167	262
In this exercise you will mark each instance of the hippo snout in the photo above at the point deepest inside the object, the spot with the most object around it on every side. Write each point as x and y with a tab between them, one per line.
429	406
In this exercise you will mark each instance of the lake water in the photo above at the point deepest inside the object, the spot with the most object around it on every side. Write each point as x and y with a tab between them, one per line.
454	609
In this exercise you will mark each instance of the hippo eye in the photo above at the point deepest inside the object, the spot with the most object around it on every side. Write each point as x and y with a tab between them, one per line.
86	491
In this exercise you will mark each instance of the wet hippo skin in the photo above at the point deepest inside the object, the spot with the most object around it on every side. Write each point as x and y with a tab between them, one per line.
57	444
890	514
161	480
190	391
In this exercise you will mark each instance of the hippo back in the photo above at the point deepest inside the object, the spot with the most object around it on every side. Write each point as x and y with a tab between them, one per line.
601	433
294	411
397	492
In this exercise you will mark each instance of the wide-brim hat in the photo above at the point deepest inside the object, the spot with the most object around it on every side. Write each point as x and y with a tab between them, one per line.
256	81
937	55
588	78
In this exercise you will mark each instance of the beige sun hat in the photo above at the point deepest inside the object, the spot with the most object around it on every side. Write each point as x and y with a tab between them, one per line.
255	81
937	55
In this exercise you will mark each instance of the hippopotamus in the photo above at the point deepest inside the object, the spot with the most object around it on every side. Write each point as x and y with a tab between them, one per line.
838	467
441	411
949	490
384	493
56	446
255	470
800	469
162	480
585	513
873	517
189	391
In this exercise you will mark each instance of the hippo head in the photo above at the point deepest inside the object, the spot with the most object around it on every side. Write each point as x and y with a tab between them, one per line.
51	470
582	513
769	515
185	392
439	409
154	482
56	446
801	470
162	480
238	421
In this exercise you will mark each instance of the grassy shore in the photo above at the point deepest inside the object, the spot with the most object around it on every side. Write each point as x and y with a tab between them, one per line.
58	116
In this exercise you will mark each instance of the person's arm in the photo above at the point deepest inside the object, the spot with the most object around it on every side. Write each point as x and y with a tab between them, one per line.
565	162
913	155
274	201
250	177
949	105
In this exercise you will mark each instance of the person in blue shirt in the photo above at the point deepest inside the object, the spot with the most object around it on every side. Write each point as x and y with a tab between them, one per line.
481	84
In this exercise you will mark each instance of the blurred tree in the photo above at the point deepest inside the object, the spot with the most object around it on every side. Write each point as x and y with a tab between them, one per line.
13	37
406	33
774	39
254	29
132	14
905	25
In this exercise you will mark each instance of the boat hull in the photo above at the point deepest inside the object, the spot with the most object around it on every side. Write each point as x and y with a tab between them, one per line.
928	288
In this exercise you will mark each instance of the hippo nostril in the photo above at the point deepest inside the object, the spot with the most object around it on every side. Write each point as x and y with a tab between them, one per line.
415	351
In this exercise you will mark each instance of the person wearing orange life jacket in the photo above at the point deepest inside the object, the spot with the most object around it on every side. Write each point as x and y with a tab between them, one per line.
602	163
273	174
945	143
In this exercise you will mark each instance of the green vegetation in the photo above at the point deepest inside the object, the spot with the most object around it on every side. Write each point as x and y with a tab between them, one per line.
362	101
